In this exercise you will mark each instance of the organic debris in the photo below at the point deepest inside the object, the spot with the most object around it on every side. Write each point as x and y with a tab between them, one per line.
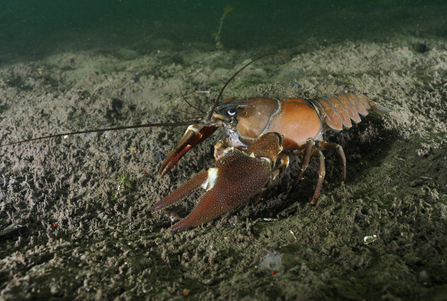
124	182
272	262
227	9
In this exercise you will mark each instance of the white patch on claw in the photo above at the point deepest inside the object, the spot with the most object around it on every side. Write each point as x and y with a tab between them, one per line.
212	176
193	128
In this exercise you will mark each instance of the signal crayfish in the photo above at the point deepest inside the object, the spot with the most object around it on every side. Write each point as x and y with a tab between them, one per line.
261	134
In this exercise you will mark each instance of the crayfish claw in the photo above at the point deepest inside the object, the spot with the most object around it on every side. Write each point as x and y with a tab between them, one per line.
194	135
233	179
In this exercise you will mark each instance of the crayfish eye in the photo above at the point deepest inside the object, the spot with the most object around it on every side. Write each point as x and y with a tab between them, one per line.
231	111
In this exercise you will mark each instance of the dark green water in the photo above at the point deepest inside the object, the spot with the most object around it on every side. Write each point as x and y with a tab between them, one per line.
37	28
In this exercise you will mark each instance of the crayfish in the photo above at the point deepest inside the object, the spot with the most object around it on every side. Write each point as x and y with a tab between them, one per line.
261	134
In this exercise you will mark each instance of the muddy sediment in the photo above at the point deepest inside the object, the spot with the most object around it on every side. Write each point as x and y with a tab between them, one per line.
77	232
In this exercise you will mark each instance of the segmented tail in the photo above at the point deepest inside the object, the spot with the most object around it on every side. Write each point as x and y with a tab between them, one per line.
338	110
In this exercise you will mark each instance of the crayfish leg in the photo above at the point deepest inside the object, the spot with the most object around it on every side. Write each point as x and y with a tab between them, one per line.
284	163
341	153
321	174
311	151
307	151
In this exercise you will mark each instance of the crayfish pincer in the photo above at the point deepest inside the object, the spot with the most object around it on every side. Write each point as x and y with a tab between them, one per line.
236	176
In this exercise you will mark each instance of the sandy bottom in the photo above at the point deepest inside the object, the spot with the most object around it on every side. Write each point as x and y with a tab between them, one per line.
71	229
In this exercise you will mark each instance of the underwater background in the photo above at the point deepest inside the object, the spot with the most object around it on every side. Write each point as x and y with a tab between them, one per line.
75	212
33	29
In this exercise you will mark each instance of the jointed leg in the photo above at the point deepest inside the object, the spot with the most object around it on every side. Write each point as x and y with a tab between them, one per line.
306	152
341	153
284	163
311	151
321	174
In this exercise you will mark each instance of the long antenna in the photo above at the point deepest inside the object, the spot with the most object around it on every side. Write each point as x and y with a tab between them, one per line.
183	96
105	130
197	121
208	117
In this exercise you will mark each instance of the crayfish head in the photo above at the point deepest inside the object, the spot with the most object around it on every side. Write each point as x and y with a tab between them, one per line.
248	117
